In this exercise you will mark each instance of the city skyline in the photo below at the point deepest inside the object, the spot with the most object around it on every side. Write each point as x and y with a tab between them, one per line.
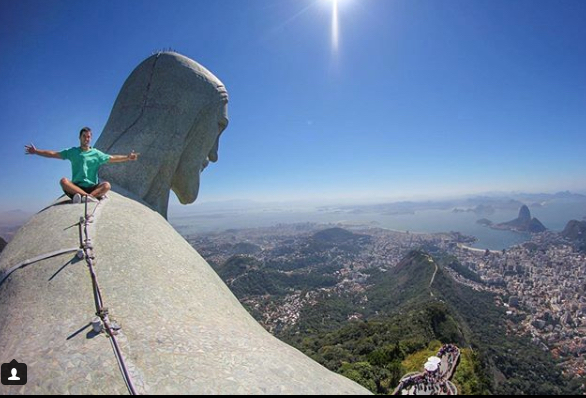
371	99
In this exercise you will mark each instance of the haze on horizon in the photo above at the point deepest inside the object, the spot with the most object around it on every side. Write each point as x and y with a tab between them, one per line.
419	99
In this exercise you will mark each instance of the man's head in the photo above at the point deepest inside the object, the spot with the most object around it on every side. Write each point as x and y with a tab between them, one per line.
85	137
172	111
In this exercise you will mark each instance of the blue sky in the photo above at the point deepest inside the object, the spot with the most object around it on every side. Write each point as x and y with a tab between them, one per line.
422	98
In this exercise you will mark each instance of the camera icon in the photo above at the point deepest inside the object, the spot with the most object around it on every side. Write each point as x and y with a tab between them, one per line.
13	374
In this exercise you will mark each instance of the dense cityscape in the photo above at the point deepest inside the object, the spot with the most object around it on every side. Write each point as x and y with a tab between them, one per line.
544	281
540	282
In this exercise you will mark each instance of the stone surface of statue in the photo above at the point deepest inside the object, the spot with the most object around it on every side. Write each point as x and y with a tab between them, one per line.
172	111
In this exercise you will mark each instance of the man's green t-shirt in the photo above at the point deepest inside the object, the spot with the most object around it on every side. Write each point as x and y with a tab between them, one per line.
85	165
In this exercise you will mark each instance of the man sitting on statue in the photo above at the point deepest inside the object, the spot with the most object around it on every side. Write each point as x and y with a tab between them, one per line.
85	163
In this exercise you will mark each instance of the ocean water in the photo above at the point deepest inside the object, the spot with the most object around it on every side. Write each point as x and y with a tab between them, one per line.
553	216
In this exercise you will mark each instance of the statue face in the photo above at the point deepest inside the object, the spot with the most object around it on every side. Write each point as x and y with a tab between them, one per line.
202	148
172	111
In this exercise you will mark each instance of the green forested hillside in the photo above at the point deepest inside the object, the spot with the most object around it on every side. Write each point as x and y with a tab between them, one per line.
402	317
247	276
373	333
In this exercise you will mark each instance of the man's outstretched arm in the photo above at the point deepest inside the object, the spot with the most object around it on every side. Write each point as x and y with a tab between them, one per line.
124	158
31	150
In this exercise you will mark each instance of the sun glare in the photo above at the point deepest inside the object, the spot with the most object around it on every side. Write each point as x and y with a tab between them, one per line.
335	26
336	22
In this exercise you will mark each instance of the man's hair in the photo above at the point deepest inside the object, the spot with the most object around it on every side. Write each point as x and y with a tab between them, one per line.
85	130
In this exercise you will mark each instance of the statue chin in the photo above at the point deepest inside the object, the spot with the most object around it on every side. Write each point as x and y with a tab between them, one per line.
172	111
188	194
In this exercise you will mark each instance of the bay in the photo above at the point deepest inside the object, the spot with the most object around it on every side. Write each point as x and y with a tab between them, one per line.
554	216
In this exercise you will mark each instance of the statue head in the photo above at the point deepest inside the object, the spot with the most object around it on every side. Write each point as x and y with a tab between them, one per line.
172	111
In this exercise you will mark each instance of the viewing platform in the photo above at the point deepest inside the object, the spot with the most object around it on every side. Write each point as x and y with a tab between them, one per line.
435	379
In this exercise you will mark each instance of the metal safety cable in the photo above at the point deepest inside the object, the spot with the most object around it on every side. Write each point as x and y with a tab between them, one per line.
24	263
101	311
85	249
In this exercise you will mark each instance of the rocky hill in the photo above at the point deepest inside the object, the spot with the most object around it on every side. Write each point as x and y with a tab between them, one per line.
2	244
575	231
523	223
335	235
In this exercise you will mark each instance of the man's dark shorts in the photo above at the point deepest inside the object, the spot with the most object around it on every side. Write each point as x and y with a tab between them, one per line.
87	190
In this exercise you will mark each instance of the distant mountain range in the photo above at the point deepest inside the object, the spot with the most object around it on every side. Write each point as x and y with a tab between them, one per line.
14	217
11	221
480	204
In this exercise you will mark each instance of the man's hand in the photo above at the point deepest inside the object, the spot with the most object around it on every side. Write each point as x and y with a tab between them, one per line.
30	149
133	156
